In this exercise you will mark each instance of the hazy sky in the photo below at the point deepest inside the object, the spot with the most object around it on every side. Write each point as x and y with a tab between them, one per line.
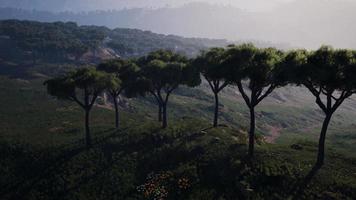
75	5
254	5
259	5
301	23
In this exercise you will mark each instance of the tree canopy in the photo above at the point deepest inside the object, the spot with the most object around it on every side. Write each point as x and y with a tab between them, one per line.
164	71
211	66
85	84
128	73
329	75
257	68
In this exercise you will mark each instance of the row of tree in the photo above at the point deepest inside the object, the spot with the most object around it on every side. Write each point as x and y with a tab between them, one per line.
256	72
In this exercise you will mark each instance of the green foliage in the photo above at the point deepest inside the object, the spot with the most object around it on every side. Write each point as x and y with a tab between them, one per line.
326	68
124	70
258	66
52	41
289	69
167	70
88	79
163	71
62	88
210	64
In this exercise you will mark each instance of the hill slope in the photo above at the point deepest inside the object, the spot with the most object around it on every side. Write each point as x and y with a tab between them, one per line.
44	157
61	41
287	114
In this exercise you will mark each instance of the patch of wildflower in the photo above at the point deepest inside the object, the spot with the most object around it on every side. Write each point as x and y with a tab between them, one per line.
183	183
155	187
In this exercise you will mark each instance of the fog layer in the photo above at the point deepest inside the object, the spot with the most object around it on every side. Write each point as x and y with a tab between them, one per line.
300	23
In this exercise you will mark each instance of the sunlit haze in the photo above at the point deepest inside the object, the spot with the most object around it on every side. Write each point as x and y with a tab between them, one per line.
298	23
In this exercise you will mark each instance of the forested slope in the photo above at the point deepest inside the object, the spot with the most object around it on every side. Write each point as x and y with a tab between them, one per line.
65	42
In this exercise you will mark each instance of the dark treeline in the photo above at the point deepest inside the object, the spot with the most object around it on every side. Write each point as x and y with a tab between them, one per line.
67	42
327	73
52	42
123	18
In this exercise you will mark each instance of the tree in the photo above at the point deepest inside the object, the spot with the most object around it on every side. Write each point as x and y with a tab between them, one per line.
330	77
85	83
164	71
211	66
124	70
257	67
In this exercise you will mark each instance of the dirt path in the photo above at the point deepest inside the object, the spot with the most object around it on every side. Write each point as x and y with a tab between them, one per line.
274	133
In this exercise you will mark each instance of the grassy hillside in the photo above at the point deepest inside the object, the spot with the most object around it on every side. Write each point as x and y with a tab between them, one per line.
44	156
288	113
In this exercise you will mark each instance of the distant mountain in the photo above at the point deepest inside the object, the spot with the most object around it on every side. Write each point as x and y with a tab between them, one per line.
299	23
66	42
87	5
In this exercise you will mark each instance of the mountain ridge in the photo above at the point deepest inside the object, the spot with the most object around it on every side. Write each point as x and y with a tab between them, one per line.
291	24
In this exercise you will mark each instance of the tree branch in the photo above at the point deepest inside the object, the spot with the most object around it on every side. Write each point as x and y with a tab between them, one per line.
211	85
258	93
160	97
93	100
167	96
156	97
223	86
244	95
344	95
317	93
74	98
269	91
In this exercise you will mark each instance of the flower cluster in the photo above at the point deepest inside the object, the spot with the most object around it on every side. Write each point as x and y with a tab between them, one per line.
159	186
183	183
156	186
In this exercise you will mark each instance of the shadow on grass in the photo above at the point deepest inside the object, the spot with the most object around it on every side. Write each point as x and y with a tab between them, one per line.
52	165
66	152
299	189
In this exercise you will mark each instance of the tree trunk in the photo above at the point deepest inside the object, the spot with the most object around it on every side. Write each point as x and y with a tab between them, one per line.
116	112
87	130
251	140
34	59
159	112
321	149
216	113
164	115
